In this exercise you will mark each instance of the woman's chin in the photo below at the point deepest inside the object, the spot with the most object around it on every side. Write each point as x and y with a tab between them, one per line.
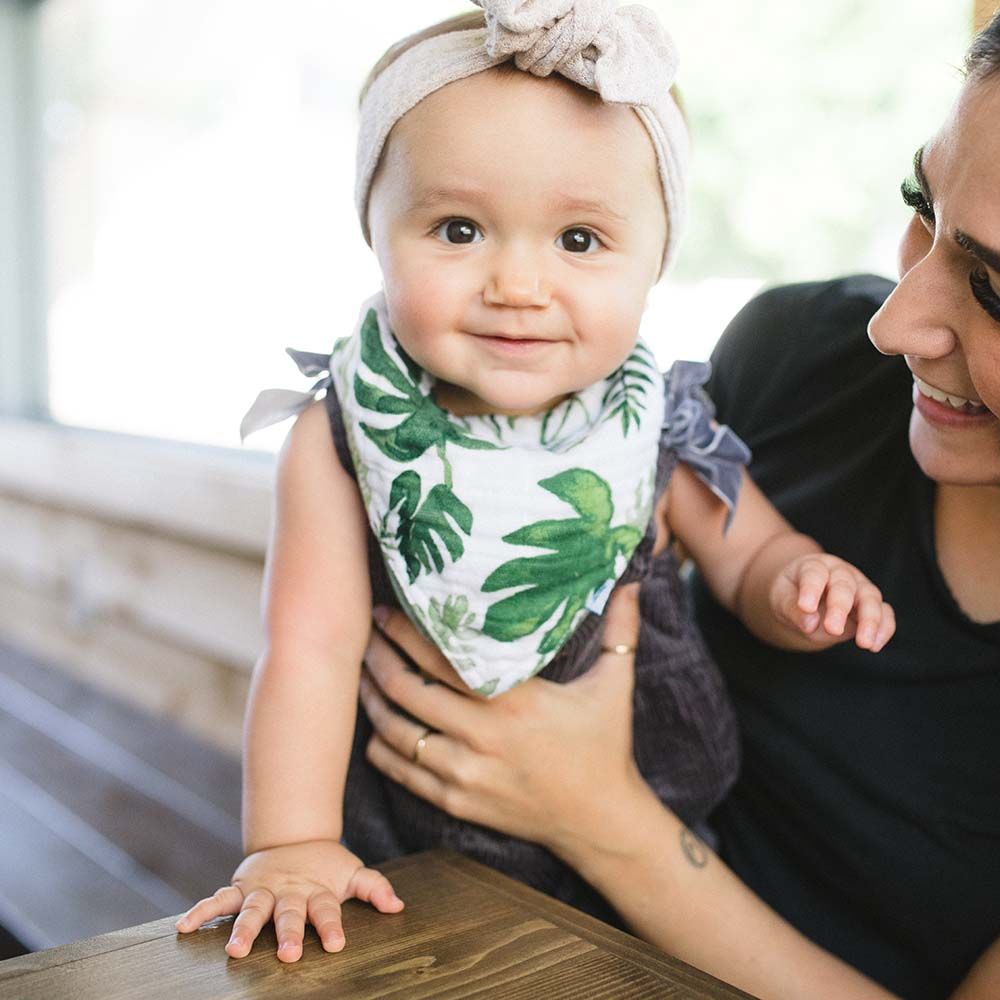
959	456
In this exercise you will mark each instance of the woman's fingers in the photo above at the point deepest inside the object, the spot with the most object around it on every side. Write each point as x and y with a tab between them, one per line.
439	752
323	911
417	647
621	631
434	704
413	777
222	903
290	926
621	617
256	911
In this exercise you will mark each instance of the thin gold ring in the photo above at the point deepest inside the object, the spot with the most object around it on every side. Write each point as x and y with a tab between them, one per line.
619	649
420	744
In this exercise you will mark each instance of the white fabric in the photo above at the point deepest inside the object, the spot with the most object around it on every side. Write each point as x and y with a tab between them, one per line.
546	479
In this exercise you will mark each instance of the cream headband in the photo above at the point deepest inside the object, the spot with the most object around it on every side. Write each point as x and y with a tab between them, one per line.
623	54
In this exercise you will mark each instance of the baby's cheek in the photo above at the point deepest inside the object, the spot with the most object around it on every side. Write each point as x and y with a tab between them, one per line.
417	311
615	314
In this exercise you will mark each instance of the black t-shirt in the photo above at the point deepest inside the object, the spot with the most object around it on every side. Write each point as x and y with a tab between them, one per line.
868	810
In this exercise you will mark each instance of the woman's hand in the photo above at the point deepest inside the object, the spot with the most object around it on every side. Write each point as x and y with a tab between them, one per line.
294	883
526	763
553	763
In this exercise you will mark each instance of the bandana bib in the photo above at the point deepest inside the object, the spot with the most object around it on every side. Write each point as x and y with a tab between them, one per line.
499	533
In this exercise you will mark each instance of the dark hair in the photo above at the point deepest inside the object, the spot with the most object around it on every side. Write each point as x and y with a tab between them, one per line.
983	57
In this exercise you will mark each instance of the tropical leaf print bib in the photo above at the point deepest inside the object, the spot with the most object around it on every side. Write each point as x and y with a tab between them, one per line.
499	533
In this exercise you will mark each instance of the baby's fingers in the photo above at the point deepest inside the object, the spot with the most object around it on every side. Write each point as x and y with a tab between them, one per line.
841	596
255	913
785	604
886	629
290	926
871	610
813	577
223	902
373	887
324	915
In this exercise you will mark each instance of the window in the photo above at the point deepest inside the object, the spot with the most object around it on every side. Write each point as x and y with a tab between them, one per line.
198	166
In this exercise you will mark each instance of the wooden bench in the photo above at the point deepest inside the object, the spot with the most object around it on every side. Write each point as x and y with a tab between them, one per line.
109	817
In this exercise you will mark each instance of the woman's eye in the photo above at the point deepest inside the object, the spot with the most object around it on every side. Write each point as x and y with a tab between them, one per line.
458	231
984	293
913	197
578	240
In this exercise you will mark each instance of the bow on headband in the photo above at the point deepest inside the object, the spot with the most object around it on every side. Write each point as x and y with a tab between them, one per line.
621	53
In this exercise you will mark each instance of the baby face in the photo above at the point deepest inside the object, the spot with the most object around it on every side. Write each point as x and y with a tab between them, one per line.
519	225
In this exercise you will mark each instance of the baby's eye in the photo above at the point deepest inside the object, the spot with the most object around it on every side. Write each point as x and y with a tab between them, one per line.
579	240
458	231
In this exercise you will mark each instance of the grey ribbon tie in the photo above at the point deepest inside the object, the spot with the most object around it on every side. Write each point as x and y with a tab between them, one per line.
274	405
714	453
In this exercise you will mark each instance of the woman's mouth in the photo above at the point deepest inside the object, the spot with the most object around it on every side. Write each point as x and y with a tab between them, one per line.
947	408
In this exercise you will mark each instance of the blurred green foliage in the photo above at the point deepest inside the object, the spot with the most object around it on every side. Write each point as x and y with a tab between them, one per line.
805	119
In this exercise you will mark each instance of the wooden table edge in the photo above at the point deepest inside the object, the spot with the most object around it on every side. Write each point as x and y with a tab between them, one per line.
623	945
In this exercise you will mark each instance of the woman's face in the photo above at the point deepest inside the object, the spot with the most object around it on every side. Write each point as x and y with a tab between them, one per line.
944	316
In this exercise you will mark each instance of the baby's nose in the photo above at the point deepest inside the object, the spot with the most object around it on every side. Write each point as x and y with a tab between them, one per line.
516	278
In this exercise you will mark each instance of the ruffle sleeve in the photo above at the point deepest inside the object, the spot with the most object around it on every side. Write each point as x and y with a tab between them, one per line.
274	405
714	453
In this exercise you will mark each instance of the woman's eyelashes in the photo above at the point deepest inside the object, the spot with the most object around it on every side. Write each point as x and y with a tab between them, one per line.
463	232
914	197
979	281
984	292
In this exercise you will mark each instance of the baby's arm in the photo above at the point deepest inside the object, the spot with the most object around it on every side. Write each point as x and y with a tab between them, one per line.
786	590
301	709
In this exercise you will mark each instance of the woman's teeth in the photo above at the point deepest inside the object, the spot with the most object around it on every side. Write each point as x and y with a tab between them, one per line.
956	402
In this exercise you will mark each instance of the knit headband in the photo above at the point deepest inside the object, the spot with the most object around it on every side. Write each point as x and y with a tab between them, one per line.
621	53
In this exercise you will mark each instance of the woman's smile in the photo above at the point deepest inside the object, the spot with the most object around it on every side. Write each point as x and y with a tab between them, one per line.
948	409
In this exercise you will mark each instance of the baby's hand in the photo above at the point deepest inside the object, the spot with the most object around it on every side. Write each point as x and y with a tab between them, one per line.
294	883
830	601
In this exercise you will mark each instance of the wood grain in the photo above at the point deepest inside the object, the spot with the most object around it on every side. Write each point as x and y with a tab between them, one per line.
466	932
108	817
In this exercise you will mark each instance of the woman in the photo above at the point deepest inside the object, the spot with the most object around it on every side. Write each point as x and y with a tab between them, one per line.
868	813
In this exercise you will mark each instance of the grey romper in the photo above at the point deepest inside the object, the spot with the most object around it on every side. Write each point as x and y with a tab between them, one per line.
685	736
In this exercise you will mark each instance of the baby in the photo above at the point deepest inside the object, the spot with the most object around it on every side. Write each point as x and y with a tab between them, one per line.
495	452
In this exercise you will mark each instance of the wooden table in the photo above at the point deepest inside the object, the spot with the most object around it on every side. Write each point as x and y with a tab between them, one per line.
467	931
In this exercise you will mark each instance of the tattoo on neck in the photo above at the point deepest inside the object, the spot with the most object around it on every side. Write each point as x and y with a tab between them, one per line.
694	850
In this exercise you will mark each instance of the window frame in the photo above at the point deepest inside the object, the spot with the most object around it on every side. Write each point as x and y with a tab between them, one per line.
214	495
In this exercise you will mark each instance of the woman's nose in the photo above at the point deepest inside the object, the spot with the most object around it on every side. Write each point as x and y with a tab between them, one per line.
516	278
918	318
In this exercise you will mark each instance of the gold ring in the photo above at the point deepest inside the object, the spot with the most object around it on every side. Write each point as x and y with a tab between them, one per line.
420	744
619	649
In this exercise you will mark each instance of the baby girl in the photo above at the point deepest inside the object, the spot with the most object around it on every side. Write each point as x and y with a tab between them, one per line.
496	452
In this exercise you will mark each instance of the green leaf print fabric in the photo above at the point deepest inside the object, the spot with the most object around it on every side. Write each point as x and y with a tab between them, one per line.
499	534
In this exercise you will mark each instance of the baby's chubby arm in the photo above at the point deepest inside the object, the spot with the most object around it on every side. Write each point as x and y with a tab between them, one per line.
786	590
301	710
